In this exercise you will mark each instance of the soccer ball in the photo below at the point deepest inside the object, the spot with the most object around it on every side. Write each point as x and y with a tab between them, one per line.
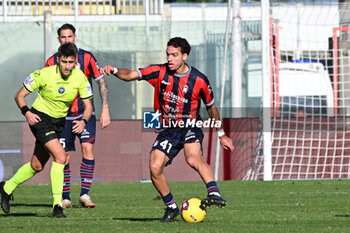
191	210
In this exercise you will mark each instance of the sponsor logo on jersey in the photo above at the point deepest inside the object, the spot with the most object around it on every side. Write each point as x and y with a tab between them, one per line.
172	98
166	83
61	90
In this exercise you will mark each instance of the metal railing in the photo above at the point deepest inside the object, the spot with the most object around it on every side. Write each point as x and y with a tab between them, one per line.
27	8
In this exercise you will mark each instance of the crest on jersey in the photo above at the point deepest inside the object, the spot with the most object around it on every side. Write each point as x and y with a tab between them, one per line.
210	89
61	90
185	89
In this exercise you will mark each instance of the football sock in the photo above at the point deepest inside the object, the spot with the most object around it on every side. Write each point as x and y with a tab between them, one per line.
86	175
212	188
56	175
23	174
66	183
169	201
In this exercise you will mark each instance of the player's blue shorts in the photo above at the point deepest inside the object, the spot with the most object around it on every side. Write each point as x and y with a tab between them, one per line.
171	141
67	137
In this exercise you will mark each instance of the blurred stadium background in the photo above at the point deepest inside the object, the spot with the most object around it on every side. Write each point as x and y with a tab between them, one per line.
133	34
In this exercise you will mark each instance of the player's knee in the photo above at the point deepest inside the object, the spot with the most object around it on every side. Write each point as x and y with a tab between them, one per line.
87	151
155	168
193	161
38	167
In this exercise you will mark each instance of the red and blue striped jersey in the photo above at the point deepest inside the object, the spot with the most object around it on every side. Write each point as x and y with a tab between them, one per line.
178	96
88	64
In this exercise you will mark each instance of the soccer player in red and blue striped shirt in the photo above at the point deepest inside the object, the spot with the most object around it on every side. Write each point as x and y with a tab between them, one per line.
179	90
88	64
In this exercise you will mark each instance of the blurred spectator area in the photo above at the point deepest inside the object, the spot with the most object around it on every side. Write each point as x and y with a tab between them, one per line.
85	7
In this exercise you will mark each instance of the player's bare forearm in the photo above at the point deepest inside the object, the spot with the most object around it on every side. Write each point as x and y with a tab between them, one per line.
102	85
20	97
225	141
214	114
87	109
123	74
105	119
79	125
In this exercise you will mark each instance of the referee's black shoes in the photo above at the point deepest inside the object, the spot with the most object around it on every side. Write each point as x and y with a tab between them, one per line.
213	200
5	199
58	212
170	214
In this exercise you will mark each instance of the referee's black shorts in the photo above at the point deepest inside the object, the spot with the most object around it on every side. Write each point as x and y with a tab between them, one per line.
48	128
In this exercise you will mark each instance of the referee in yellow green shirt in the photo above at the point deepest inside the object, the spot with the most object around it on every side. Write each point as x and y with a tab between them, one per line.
58	85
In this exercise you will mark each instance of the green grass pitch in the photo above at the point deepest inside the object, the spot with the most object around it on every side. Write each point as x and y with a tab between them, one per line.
253	206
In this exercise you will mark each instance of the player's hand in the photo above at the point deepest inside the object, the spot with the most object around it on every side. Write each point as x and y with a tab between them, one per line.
32	118
105	119
78	127
107	70
226	143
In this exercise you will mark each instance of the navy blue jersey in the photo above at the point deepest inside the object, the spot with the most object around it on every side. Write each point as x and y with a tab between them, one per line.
178	96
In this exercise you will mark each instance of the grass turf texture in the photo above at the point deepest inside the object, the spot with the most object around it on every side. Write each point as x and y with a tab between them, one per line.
253	206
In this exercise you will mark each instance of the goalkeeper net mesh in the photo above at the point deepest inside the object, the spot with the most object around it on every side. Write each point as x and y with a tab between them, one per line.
310	93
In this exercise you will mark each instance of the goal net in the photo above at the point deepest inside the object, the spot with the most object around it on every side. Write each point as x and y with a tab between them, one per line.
310	93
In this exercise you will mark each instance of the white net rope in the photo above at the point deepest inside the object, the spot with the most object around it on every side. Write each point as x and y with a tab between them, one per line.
310	80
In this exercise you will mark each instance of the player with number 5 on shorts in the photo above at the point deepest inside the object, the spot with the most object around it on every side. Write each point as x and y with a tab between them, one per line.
57	87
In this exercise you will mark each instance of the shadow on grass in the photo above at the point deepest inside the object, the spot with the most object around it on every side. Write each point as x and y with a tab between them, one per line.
19	215
342	215
138	219
32	205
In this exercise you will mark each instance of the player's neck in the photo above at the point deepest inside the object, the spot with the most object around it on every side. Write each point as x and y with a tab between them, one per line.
182	69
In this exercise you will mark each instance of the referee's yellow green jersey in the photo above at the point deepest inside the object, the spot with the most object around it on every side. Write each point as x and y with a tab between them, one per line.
56	94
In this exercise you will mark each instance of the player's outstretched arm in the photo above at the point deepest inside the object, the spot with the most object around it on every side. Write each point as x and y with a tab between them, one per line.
123	74
225	141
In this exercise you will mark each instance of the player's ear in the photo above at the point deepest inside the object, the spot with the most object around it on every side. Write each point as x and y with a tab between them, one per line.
75	38
185	56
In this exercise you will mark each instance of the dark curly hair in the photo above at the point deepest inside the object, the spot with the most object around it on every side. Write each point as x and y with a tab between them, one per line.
180	42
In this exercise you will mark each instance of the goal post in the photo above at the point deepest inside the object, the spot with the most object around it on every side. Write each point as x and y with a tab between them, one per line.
309	47
266	99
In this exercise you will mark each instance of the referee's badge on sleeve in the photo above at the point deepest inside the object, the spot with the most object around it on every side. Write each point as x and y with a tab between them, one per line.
89	89
28	81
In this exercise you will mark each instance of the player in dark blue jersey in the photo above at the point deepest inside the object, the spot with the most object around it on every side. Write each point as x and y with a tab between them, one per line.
88	64
179	89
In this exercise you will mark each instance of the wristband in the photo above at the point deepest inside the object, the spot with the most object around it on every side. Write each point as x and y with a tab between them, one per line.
115	70
85	121
24	110
221	132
